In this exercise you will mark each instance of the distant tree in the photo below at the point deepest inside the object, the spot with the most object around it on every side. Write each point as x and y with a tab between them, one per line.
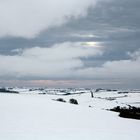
91	94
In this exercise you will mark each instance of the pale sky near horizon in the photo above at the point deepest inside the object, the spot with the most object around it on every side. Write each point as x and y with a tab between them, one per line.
77	43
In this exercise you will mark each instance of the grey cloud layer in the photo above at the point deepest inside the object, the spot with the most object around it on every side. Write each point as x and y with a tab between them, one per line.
59	61
63	61
115	24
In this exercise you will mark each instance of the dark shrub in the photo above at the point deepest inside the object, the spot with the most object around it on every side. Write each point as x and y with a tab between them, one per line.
3	90
123	92
7	91
42	93
116	109
73	101
60	100
131	112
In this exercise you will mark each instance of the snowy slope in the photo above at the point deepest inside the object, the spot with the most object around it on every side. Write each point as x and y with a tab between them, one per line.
38	117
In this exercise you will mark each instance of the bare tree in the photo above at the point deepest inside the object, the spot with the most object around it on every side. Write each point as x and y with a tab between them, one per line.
91	94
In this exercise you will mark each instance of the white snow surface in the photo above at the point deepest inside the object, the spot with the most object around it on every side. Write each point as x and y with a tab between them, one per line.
38	117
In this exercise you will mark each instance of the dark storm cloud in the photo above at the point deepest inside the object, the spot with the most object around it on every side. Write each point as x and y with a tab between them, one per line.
115	23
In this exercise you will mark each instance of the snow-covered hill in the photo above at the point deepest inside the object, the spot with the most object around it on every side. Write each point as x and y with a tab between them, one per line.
38	117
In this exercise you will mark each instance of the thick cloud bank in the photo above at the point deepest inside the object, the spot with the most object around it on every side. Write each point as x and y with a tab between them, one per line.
64	61
59	61
26	18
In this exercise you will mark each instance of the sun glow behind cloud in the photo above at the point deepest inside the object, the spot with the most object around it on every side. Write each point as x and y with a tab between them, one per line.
91	44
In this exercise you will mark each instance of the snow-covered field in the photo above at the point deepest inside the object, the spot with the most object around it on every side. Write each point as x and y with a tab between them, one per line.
39	117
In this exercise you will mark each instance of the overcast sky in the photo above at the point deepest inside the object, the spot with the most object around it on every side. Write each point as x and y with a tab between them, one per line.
70	43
